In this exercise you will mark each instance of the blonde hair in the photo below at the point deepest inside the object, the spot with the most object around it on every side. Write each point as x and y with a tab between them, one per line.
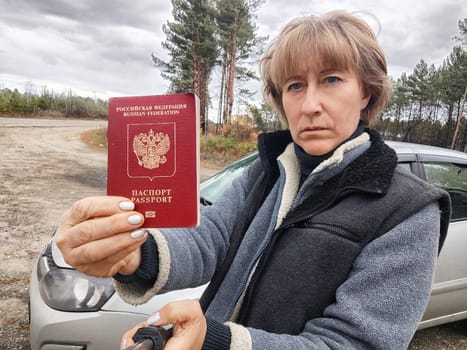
337	40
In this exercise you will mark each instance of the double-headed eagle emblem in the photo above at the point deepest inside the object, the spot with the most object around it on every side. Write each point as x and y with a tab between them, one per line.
150	148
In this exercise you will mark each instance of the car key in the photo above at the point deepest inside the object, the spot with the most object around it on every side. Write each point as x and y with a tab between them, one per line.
151	338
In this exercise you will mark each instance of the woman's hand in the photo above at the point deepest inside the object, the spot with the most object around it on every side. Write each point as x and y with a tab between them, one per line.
99	236
189	326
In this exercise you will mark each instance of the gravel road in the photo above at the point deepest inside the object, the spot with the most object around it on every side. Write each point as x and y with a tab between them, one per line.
44	168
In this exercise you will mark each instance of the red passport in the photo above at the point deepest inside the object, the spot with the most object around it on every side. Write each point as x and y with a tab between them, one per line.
153	156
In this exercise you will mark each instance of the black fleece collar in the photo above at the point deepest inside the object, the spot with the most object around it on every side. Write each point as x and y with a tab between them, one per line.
371	172
270	146
374	169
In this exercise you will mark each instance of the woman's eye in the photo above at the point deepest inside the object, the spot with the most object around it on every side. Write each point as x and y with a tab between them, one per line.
332	80
294	86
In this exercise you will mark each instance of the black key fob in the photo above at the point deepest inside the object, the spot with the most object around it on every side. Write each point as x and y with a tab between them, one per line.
151	338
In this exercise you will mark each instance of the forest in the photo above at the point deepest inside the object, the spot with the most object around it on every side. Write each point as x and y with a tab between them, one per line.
50	103
427	106
213	50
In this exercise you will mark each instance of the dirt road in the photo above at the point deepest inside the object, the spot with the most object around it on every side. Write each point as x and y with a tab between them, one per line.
44	168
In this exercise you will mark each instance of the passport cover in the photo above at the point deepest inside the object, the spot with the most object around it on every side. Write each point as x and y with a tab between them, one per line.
153	156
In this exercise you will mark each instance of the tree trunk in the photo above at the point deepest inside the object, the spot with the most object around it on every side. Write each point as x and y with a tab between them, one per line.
459	118
220	109
231	75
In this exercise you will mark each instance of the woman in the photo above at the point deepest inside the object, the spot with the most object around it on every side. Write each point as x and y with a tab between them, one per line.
323	243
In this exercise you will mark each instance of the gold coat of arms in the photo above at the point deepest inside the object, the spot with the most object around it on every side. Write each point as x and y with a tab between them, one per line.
150	148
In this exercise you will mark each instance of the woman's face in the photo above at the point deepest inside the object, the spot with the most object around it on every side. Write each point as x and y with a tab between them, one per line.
322	107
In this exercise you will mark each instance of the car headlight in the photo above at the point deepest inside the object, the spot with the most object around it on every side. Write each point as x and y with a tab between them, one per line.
69	290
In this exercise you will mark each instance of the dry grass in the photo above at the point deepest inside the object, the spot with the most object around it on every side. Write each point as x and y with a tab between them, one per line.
216	151
95	137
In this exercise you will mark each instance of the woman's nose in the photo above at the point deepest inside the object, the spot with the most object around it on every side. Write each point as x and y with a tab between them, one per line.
311	103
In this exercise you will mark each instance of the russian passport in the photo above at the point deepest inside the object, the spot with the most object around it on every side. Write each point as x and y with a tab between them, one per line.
153	156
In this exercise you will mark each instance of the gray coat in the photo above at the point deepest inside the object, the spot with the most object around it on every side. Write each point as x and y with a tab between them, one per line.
354	274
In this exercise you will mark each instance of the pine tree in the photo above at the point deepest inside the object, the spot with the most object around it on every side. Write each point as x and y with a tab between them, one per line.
192	47
237	42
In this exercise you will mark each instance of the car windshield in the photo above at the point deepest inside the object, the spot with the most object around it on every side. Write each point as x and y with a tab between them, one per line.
212	188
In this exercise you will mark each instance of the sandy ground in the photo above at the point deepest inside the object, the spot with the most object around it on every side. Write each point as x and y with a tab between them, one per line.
44	168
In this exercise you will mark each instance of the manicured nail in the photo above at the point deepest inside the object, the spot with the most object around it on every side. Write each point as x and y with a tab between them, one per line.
154	318
135	219
126	205
138	234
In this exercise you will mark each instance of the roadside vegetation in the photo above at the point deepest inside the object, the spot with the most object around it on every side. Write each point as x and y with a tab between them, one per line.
216	151
95	137
48	103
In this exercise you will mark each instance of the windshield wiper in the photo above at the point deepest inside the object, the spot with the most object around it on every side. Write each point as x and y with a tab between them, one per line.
204	201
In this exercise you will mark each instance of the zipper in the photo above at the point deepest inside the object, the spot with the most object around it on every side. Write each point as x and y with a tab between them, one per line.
291	221
335	230
287	223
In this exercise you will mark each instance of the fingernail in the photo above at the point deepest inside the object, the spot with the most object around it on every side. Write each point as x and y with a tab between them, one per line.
126	205
138	234
154	318
135	219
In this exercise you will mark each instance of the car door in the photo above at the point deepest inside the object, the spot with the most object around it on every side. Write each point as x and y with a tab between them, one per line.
449	296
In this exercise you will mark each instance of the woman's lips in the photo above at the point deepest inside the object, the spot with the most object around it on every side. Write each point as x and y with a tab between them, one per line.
312	128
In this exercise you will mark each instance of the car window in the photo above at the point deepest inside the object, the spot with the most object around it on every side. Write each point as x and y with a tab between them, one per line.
453	178
405	165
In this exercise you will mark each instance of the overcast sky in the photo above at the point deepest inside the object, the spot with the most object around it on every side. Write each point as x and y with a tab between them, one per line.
103	48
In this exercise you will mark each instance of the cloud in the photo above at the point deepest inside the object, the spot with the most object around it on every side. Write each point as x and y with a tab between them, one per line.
142	14
104	47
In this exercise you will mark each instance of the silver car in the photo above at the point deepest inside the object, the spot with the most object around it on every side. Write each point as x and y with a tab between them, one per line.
72	311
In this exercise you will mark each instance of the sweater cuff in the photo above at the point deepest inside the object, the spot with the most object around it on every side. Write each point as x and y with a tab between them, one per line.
148	270
218	336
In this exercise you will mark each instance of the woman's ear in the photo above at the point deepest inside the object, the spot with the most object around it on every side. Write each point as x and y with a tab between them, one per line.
366	95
